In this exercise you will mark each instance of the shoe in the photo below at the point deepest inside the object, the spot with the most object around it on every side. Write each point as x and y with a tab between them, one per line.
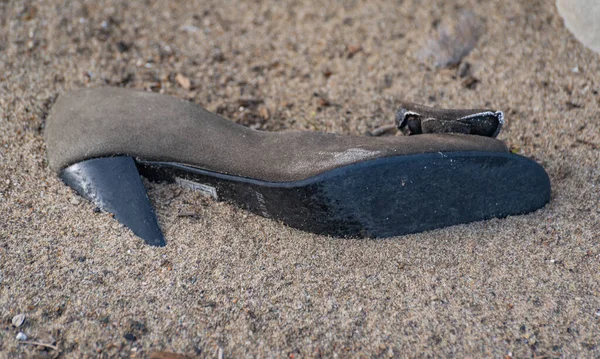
450	171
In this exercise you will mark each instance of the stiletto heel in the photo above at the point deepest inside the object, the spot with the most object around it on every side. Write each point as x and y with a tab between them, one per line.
114	185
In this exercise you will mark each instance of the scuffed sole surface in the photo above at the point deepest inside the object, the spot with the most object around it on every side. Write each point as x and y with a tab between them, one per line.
383	197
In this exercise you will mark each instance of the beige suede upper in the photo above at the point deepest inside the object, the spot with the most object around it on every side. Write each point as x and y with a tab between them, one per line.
103	122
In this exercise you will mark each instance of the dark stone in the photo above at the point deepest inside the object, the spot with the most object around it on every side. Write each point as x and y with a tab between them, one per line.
122	47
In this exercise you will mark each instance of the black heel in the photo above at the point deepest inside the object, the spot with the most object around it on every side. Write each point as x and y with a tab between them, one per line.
114	185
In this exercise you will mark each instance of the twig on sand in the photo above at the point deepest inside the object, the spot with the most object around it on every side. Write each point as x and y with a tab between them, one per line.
39	343
382	130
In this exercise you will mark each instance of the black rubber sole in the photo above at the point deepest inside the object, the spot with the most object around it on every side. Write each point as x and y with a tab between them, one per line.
378	198
383	197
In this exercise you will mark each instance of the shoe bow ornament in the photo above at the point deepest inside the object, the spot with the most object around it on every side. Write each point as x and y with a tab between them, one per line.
451	171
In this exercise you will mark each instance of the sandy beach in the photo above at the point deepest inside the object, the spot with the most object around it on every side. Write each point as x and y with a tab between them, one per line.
233	284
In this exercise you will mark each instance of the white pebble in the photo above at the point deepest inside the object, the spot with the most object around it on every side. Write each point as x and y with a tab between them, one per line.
21	336
189	28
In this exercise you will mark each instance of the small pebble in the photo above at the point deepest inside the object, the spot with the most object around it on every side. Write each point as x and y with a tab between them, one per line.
21	336
18	320
464	69
75	201
183	81
189	28
453	41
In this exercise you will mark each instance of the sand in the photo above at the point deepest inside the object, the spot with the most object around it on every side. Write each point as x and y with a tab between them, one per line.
234	283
